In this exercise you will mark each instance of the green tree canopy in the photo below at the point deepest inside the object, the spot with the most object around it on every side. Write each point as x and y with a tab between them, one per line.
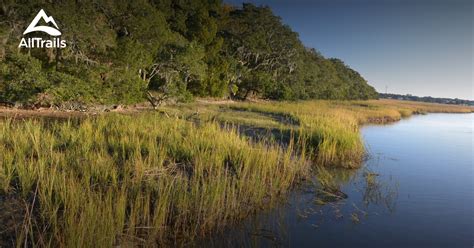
130	51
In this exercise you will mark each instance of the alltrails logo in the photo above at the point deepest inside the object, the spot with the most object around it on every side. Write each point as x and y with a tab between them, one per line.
40	42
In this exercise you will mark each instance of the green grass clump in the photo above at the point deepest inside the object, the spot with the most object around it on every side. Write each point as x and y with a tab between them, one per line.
137	180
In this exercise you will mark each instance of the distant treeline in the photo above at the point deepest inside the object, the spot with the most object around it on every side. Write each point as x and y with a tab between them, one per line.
409	97
130	51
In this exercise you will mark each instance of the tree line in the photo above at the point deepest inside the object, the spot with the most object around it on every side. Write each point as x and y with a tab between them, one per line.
126	52
409	97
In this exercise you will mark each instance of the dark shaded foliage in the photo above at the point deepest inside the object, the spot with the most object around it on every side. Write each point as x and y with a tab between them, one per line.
128	51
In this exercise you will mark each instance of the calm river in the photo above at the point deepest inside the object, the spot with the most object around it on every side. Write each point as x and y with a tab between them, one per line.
415	190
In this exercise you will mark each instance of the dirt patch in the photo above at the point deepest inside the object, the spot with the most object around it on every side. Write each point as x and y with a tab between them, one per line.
215	102
16	113
25	113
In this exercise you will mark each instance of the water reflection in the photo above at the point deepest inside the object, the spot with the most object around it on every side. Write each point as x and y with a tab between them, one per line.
333	195
379	192
361	189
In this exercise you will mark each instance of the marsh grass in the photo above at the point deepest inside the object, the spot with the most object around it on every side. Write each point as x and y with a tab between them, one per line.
138	180
152	179
330	129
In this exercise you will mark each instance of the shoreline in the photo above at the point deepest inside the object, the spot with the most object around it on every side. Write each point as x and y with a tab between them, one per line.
8	111
199	178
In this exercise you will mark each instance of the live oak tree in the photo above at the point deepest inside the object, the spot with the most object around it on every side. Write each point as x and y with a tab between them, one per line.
132	51
263	47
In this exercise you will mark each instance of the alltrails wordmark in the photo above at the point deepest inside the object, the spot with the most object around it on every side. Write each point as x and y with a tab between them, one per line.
41	43
37	42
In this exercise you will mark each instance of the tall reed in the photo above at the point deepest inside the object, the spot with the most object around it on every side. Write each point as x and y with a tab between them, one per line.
144	179
330	129
140	179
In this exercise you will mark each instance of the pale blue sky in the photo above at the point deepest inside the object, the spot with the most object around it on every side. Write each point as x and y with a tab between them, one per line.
422	47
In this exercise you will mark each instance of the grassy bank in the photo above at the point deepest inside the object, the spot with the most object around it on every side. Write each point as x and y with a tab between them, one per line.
329	130
159	178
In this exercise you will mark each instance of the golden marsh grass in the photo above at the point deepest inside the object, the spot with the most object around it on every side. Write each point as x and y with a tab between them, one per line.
151	179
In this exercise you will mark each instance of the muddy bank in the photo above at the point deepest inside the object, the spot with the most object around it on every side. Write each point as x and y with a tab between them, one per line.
7	112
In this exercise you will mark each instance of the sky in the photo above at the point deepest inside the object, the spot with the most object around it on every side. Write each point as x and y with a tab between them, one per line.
418	47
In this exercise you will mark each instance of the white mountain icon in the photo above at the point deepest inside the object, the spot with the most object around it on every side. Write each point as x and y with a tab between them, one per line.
49	30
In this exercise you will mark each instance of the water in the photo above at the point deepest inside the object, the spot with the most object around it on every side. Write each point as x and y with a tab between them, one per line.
415	190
